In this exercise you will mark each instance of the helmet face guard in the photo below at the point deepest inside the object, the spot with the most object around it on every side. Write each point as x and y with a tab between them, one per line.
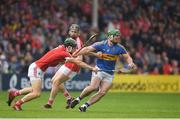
70	42
114	35
70	49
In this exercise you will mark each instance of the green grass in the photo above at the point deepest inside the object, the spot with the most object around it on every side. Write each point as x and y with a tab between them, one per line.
113	105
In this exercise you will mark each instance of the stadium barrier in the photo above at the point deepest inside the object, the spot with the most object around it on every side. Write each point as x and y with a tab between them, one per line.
146	83
121	83
19	81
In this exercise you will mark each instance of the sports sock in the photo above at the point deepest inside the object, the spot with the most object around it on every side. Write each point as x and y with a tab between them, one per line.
86	105
67	95
78	98
16	93
50	102
19	102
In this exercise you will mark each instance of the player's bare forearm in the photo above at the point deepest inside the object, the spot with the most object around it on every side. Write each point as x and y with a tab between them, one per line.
81	64
129	61
98	55
79	57
85	51
127	58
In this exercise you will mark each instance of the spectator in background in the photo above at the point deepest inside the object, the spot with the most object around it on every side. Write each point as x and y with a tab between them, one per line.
139	21
175	69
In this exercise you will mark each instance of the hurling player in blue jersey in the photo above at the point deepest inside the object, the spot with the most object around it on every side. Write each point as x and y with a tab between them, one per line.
110	50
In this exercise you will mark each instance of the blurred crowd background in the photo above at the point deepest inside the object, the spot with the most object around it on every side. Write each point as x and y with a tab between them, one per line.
150	30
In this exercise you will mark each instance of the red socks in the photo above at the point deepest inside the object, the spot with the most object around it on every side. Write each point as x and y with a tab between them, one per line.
50	102
19	102
67	95
16	93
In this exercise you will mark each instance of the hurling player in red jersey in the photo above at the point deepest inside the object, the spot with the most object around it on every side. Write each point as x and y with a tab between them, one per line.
66	71
36	71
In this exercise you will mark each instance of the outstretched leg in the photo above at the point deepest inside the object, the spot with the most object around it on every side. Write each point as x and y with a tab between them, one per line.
95	81
66	94
103	89
35	93
12	93
57	85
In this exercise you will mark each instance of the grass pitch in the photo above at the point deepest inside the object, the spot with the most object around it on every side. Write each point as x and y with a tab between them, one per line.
113	105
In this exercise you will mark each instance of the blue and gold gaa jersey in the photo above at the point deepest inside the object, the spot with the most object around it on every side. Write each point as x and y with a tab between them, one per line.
109	55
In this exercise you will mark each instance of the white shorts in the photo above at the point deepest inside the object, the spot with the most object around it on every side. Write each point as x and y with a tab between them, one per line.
34	72
66	71
103	76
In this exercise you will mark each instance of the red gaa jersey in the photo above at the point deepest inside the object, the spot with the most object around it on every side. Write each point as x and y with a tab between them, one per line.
53	58
74	67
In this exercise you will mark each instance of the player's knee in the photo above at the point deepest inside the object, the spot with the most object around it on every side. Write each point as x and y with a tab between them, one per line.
62	88
37	94
55	83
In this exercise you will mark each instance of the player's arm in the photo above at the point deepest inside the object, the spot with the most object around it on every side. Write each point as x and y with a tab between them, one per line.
80	57
96	54
81	64
129	60
85	51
